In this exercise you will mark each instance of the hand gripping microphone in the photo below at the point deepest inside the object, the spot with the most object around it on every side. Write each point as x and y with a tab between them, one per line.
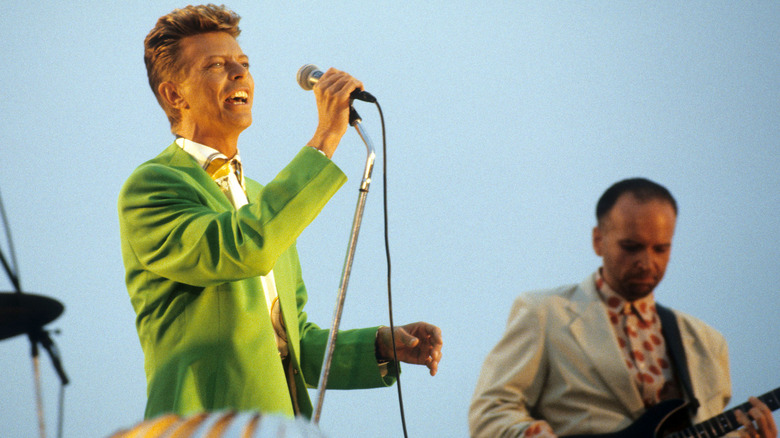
310	74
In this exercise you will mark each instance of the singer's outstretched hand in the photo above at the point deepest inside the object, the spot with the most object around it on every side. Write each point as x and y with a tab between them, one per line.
417	343
332	92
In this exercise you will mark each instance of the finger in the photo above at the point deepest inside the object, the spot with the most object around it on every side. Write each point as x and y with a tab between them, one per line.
344	87
760	421
338	83
433	366
332	85
404	338
429	332
763	418
433	359
746	423
434	334
434	362
330	77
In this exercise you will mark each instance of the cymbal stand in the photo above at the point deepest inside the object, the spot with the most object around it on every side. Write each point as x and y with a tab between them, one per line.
36	334
39	336
354	121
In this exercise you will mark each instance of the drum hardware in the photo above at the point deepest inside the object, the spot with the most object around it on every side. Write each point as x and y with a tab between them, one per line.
23	313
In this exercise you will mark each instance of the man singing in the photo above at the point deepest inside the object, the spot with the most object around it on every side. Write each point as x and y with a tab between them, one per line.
211	265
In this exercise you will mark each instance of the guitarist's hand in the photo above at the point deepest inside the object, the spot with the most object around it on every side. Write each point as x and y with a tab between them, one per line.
763	424
539	429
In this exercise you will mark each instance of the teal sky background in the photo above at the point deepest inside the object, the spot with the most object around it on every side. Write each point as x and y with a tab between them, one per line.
505	122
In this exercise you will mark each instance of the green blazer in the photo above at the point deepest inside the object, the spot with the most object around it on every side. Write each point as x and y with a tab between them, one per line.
192	266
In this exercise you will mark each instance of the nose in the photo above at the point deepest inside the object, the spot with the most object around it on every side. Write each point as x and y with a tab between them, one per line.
643	259
237	70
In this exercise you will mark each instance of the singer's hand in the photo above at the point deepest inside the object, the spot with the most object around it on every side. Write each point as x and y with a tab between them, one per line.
332	94
417	343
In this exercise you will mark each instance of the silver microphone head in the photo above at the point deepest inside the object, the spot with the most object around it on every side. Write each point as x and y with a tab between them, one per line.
308	75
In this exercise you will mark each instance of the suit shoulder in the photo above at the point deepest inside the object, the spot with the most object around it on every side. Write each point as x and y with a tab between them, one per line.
561	292
171	161
543	297
150	174
168	173
698	328
693	322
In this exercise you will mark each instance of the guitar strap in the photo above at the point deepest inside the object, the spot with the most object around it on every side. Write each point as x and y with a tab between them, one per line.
671	333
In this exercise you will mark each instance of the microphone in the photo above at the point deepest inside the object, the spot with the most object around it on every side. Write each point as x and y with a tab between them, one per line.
310	74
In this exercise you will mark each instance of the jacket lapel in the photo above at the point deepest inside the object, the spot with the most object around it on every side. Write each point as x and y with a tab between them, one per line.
592	331
177	158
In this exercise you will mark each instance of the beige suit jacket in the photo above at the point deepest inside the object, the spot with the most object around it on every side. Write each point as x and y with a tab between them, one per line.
559	361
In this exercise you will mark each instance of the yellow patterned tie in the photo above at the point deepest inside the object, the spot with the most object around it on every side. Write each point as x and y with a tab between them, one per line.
220	167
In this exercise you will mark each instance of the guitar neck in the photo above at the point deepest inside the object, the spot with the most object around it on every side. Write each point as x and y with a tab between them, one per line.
726	422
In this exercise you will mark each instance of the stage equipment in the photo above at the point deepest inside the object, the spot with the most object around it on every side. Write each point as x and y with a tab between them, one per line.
22	313
228	424
307	76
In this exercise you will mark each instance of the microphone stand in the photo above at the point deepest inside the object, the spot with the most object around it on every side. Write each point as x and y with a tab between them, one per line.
354	121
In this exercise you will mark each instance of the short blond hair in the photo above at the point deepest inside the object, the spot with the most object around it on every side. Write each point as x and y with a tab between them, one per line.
162	48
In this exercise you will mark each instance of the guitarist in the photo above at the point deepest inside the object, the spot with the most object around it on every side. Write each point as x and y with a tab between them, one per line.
592	358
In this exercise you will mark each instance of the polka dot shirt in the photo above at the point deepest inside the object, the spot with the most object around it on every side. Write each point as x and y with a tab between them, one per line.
638	330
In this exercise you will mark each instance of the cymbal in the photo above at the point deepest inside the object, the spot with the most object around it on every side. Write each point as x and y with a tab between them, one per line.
20	312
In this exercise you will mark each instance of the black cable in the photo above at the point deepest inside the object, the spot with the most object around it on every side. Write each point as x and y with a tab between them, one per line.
389	267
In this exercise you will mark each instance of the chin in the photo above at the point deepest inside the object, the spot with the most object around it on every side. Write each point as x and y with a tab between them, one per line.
242	124
637	291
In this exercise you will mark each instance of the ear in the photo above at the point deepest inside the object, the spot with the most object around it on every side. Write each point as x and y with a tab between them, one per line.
598	239
169	92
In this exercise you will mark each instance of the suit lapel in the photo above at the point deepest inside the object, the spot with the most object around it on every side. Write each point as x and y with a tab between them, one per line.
592	331
177	158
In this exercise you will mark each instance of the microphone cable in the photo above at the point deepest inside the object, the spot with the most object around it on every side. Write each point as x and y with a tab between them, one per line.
307	77
389	267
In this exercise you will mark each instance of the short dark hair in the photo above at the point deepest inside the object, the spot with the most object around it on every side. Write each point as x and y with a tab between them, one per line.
162	46
642	188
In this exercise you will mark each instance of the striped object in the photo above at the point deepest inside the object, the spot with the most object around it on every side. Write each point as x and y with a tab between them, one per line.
228	424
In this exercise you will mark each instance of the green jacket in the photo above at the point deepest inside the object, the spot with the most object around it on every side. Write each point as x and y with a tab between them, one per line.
192	266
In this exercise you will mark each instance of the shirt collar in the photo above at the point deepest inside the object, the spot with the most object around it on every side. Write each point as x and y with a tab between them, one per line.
644	307
203	154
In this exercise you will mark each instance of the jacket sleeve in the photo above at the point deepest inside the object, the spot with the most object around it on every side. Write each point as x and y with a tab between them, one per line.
174	226
354	364
511	376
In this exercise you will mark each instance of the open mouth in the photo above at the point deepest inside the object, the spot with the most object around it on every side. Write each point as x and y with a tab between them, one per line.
238	98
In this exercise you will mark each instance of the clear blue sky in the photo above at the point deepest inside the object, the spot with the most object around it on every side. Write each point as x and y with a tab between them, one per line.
505	122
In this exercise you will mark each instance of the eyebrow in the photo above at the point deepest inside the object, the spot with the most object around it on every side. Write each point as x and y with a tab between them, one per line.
636	242
225	55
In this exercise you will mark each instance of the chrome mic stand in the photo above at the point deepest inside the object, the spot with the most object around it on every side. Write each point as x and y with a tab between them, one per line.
354	120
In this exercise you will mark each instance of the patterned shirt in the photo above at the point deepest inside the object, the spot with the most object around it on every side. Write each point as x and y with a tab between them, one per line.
638	330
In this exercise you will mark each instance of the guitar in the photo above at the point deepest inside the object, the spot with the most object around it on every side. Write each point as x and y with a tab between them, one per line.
655	422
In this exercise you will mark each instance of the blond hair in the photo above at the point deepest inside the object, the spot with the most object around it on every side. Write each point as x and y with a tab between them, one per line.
162	48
